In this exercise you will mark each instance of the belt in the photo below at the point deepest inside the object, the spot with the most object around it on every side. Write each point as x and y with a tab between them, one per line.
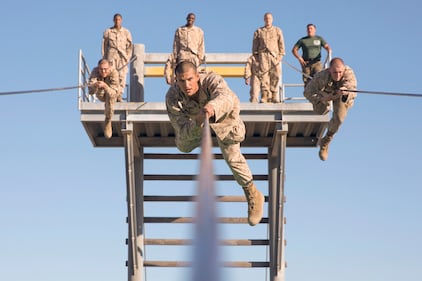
313	60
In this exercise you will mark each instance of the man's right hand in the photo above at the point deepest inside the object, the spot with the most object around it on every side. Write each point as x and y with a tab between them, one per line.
302	61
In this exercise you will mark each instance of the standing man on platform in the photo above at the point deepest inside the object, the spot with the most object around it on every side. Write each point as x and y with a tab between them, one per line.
104	83
311	53
251	76
169	69
117	48
268	45
188	43
195	97
331	85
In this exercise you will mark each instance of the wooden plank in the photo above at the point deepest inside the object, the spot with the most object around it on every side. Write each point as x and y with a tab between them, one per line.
227	242
187	198
245	264
225	71
231	220
194	156
155	177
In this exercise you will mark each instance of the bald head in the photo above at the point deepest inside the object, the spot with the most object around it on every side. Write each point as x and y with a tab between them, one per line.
185	66
337	68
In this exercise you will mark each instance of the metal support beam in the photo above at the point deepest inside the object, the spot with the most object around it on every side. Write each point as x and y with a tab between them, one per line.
134	183
136	93
276	163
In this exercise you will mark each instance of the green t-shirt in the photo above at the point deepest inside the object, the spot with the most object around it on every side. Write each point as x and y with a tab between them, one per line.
311	47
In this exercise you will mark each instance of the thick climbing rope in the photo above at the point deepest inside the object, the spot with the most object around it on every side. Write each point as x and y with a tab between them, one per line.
57	89
415	95
40	90
206	263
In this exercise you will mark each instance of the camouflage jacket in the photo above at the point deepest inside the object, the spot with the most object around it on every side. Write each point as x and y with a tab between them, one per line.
251	67
189	41
323	83
112	80
117	43
269	40
226	123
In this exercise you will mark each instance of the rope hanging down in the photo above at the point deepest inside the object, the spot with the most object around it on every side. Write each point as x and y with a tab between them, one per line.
206	259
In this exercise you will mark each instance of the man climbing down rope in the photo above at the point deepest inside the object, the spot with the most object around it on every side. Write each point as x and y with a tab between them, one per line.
195	96
329	85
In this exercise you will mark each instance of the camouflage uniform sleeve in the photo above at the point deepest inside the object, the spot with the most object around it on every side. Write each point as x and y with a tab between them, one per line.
248	68
255	42
281	48
315	86
180	118
201	47
349	82
129	45
221	97
113	88
169	68
104	44
92	79
176	45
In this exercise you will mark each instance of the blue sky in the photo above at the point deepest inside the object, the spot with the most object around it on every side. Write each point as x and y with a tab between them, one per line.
63	202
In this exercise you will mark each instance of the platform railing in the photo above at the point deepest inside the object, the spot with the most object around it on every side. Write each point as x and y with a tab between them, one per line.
151	65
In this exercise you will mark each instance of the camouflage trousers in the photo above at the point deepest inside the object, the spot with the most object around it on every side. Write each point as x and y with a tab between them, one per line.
109	101
340	110
255	85
231	154
309	70
120	65
188	56
270	77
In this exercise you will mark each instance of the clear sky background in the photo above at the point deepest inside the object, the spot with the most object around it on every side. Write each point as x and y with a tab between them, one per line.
356	216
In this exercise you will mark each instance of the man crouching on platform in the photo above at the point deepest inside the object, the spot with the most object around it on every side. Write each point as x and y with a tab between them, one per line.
104	83
195	96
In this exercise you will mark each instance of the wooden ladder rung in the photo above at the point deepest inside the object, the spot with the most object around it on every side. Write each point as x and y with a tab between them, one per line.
181	198
156	177
190	220
194	156
227	242
148	263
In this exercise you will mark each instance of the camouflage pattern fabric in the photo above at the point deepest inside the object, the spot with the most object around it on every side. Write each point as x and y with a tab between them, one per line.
188	44
322	85
117	47
110	94
252	73
226	124
268	44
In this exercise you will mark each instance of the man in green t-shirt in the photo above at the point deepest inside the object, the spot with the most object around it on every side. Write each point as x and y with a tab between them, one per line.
311	53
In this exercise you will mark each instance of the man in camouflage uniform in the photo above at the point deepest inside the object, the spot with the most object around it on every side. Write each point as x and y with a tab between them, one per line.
331	85
189	101
169	69
311	53
104	83
252	78
188	43
117	48
268	45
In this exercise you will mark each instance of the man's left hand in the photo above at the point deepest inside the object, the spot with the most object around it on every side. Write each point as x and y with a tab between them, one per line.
208	109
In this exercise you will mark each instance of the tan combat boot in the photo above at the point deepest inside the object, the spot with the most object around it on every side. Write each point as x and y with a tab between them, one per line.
255	203
323	151
264	98
107	129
